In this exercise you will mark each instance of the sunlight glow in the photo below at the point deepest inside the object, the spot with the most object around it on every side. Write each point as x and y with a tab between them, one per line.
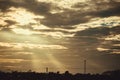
40	27
22	16
22	31
102	49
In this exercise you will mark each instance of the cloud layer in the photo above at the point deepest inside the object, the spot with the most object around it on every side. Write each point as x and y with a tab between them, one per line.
64	31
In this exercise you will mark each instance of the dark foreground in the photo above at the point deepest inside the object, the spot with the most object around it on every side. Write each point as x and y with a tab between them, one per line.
109	75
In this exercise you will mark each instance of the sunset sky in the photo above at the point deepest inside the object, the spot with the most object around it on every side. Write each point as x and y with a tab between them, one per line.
60	35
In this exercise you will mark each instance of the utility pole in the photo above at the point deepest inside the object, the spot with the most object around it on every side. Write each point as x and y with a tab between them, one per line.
46	69
84	66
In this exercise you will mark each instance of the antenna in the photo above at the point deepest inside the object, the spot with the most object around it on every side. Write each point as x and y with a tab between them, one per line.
84	66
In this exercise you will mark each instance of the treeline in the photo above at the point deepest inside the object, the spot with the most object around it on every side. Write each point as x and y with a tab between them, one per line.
108	75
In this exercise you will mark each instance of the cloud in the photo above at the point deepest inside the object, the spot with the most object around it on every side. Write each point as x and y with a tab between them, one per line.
83	14
68	16
99	31
12	60
113	37
112	8
10	22
9	53
115	11
100	39
83	30
37	8
4	5
30	46
102	49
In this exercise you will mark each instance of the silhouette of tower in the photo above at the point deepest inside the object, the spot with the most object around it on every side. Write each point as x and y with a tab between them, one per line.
84	66
46	69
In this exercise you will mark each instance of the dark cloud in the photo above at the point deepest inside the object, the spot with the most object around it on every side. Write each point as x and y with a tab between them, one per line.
115	30
30	5
73	17
5	5
115	11
115	47
65	18
91	38
10	22
99	32
68	16
38	8
98	9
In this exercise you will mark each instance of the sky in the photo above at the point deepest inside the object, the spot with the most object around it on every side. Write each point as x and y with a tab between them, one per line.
60	35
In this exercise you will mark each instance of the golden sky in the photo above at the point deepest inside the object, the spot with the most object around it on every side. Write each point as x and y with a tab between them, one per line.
59	34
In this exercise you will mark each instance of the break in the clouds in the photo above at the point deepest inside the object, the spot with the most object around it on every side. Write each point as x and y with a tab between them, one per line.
63	31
